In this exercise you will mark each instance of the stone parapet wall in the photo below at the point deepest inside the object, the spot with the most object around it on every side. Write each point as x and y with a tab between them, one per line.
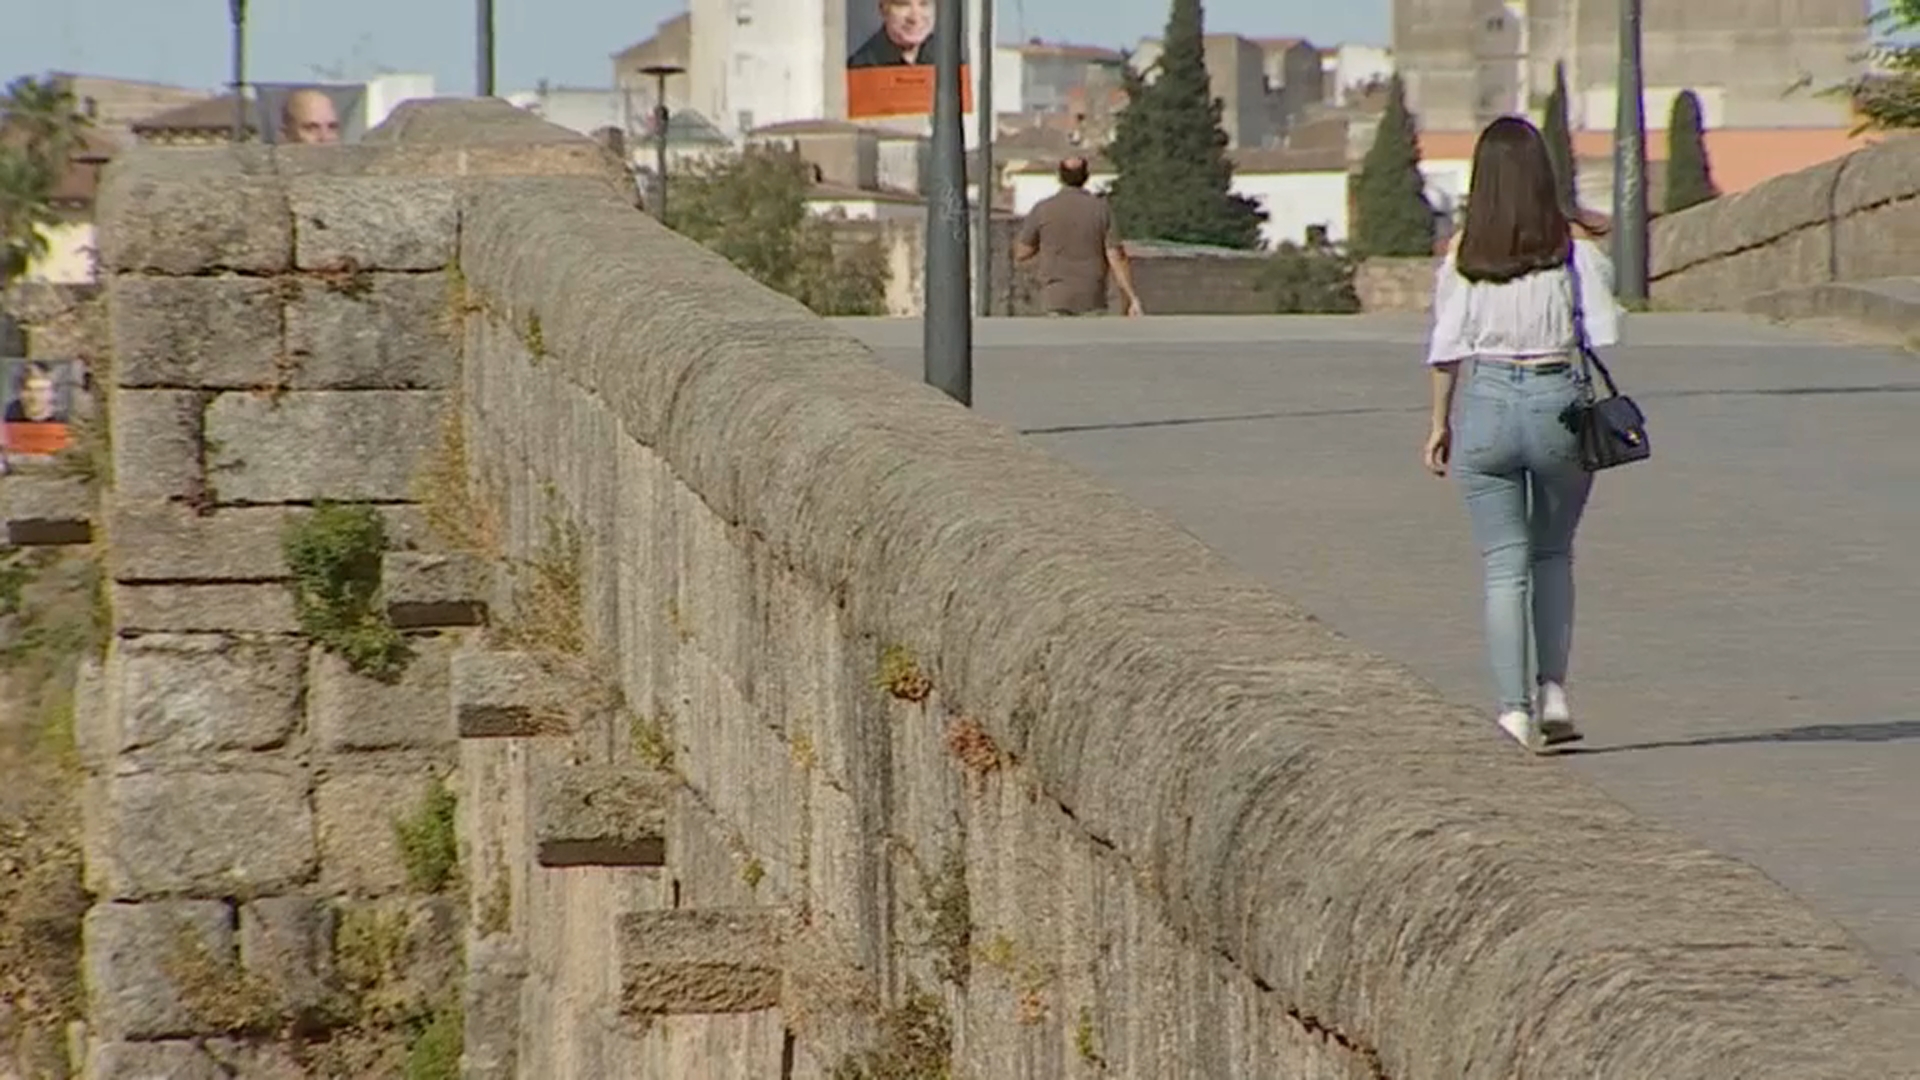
1851	219
816	726
1395	285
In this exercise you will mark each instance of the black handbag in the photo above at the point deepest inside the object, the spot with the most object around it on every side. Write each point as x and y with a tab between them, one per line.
1611	430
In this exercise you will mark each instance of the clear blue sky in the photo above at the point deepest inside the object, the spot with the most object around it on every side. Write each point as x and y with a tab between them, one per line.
568	41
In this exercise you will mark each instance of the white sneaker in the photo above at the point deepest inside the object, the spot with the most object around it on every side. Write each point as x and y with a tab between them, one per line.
1524	729
1556	716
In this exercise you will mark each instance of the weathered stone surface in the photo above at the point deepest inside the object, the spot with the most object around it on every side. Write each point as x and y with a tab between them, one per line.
496	969
194	211
505	694
359	852
201	332
287	942
204	609
350	712
376	332
426	589
203	834
381	223
156	444
138	956
190	694
427	931
726	960
96	726
46	510
177	1060
172	542
601	815
257	1059
321	444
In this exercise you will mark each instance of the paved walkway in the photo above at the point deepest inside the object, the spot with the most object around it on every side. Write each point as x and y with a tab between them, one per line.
1747	658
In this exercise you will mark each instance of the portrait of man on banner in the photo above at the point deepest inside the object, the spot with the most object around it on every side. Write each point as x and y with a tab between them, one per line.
890	57
39	406
310	114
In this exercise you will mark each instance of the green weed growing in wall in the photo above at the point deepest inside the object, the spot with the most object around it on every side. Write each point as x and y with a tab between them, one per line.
428	845
334	556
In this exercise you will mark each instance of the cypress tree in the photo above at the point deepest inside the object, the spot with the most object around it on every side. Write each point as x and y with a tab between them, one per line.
1689	180
1175	180
1558	131
1393	215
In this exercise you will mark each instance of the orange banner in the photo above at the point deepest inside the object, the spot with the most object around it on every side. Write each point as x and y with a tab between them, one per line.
898	90
36	439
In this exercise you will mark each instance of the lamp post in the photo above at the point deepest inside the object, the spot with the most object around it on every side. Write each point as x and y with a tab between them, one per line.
987	185
660	73
1630	163
483	48
237	12
948	325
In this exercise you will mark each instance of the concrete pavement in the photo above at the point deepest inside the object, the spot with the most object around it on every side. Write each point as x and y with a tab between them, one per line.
1747	655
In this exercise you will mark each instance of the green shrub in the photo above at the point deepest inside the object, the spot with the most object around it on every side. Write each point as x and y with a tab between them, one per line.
1310	281
428	845
334	556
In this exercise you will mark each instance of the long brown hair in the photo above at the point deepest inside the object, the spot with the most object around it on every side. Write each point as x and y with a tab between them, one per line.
1514	225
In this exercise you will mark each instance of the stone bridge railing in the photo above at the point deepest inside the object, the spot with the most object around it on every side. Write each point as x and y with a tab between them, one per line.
816	727
1855	218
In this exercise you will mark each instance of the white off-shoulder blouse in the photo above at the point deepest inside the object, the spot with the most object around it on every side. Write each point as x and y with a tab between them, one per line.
1524	318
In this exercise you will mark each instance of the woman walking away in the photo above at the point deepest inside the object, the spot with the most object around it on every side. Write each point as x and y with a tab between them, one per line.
1508	304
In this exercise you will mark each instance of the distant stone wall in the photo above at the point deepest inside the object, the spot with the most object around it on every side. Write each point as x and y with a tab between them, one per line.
59	322
816	725
1395	285
1851	219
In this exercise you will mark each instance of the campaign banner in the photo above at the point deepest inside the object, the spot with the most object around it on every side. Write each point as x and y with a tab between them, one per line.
890	57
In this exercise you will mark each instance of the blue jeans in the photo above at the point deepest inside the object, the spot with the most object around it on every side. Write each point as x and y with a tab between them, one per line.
1519	468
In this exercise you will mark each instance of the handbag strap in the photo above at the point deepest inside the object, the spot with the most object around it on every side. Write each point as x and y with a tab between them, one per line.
1589	360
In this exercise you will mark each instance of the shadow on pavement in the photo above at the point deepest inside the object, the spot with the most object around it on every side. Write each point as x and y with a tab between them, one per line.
1884	731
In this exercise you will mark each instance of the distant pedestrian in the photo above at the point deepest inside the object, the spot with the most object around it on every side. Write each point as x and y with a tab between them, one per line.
1071	233
1508	302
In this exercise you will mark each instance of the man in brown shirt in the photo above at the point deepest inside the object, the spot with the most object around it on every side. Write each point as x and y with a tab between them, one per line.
1072	234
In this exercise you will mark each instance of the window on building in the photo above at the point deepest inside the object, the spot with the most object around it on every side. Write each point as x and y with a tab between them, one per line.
745	120
743	13
1496	23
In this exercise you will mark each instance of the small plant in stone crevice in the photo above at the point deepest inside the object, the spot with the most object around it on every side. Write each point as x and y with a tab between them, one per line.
217	993
915	1043
901	677
1085	1041
549	596
434	1052
429	847
536	339
334	557
973	747
947	916
457	514
652	741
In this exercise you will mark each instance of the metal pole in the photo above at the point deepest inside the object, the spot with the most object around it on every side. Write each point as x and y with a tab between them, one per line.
660	120
948	322
986	185
238	10
1630	164
483	48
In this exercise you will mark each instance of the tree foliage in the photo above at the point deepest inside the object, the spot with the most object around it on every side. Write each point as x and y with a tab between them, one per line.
39	127
751	208
1393	216
1557	129
1689	180
1175	180
1887	96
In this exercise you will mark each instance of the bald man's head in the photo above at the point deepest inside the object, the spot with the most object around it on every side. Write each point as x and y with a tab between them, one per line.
309	117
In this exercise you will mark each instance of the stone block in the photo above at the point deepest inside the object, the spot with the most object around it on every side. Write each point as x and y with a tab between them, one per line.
175	1060
426	589
204	609
496	968
193	217
323	444
46	510
499	694
601	815
350	712
200	693
172	542
156	444
371	332
424	931
691	960
256	1060
383	223
359	851
142	958
203	834
214	332
287	942
96	726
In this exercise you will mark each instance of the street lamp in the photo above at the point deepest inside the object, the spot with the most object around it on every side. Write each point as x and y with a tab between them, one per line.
947	328
1630	163
660	73
237	12
988	183
483	48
